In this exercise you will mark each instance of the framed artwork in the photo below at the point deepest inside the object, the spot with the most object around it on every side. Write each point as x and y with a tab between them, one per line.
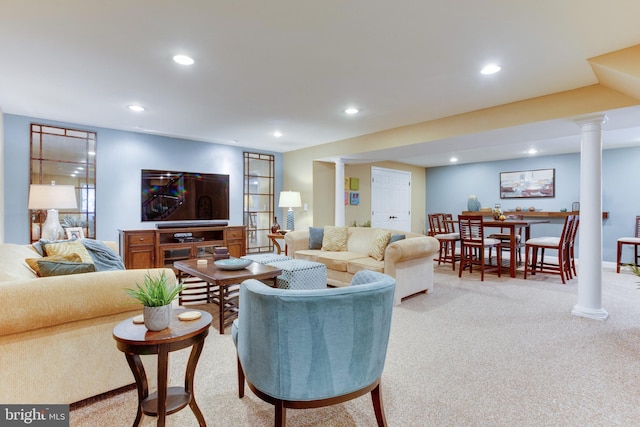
346	198
74	233
346	182
528	184
354	183
355	199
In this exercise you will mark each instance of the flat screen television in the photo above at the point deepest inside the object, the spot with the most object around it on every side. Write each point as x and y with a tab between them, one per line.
184	196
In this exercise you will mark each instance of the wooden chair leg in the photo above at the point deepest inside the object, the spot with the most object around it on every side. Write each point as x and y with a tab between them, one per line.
376	397
281	414
240	379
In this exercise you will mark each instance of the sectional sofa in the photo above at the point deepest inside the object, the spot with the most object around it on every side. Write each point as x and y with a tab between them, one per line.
408	257
56	344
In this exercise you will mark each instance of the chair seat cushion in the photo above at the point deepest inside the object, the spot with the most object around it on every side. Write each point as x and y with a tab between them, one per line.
448	236
504	236
544	241
630	240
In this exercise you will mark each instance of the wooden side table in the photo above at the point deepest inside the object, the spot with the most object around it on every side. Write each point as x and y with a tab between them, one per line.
274	237
134	339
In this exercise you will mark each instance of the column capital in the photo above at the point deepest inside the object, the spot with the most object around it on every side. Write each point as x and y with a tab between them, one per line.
591	120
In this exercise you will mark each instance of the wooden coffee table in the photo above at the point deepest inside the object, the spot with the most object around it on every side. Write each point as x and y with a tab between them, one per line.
221	286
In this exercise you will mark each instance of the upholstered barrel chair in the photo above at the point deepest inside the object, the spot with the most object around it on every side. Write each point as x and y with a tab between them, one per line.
312	348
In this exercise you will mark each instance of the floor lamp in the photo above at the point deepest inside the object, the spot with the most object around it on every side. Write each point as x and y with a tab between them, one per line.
52	197
289	199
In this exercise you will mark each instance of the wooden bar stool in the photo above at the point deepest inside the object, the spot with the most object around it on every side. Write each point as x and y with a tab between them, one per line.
445	233
472	242
559	244
633	241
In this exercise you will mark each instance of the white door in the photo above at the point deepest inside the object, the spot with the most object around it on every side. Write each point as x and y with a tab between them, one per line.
390	199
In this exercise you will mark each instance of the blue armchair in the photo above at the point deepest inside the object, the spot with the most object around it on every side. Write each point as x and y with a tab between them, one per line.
312	348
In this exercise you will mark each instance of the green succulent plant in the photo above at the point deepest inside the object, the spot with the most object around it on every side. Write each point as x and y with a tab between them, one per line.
155	291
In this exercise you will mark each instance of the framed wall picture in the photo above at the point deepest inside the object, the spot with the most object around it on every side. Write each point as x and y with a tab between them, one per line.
528	184
355	198
74	233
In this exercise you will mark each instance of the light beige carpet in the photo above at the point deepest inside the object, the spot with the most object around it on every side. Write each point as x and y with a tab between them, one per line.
503	352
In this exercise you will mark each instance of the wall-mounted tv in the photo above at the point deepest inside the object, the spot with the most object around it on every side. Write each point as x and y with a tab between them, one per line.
184	196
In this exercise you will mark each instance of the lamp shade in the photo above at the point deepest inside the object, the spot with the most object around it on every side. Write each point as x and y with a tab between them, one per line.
289	199
43	196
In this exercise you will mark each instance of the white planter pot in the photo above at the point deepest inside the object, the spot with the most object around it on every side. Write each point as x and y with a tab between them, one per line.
157	318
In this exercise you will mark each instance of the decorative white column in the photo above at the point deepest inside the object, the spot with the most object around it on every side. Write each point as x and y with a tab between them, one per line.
590	245
339	196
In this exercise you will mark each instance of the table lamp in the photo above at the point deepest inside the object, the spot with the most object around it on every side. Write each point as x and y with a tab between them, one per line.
289	199
52	197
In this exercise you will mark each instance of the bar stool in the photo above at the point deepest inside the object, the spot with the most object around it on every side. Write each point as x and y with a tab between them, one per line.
472	241
633	241
559	244
445	233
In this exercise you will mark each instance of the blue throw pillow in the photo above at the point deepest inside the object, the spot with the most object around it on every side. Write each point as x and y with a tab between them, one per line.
316	234
396	237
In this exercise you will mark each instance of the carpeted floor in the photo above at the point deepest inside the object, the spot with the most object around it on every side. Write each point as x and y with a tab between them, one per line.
503	352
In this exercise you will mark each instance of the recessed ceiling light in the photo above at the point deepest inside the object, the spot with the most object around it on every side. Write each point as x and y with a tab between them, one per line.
183	59
453	159
532	151
490	69
351	110
277	134
136	108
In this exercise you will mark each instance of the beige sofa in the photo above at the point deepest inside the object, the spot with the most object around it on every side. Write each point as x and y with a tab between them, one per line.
409	261
56	344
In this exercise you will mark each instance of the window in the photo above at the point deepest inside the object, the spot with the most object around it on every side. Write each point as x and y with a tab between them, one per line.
258	200
68	157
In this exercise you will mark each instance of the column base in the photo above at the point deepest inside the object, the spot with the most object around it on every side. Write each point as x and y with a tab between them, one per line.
590	313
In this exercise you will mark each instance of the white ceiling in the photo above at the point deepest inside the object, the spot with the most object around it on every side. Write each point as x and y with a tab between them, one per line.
294	65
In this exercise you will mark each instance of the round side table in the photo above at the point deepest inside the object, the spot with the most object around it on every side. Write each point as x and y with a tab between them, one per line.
134	339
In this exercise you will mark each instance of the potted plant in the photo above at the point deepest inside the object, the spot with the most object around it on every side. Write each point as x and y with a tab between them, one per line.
156	295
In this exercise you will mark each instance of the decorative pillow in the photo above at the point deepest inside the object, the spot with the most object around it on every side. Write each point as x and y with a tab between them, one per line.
33	262
396	237
63	247
379	244
104	258
61	268
334	238
316	234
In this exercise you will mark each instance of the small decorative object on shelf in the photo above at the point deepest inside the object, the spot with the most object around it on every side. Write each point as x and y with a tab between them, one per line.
497	211
532	208
275	227
221	253
473	204
575	206
518	208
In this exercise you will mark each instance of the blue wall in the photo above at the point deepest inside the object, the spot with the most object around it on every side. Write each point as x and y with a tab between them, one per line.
120	158
449	187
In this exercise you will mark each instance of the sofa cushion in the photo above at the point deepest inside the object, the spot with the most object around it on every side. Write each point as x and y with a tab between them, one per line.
334	239
367	263
33	262
316	235
308	254
67	247
338	260
379	244
12	262
62	268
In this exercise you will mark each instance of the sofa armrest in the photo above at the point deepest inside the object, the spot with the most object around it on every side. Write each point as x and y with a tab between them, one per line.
48	301
296	241
413	248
